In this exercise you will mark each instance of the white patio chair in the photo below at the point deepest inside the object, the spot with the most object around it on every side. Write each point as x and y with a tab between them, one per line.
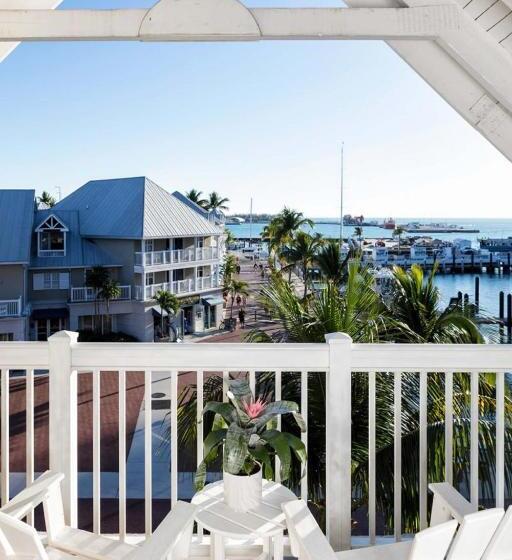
172	537
500	547
309	543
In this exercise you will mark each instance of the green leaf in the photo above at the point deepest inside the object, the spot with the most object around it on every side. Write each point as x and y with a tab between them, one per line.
200	477
241	389
236	449
213	440
225	410
280	444
297	446
263	457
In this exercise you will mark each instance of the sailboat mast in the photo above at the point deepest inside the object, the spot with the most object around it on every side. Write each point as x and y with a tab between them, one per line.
250	224
341	196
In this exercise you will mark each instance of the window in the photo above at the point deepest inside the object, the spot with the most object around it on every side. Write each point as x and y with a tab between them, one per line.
51	238
85	323
6	337
51	281
150	278
148	245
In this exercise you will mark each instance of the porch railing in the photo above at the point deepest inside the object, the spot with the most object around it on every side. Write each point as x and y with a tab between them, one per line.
85	293
338	362
177	256
178	287
10	307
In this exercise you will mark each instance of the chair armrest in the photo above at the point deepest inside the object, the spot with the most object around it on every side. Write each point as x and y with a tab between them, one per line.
448	504
33	495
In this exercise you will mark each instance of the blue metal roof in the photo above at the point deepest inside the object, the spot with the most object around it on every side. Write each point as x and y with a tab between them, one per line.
133	208
16	218
79	251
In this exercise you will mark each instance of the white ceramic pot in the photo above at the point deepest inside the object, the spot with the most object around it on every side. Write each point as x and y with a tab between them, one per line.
243	493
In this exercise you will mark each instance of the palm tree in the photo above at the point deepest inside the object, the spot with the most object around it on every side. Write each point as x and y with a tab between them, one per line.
302	252
196	196
216	202
331	263
358	232
109	290
47	199
237	288
227	270
416	306
290	222
95	279
169	303
398	232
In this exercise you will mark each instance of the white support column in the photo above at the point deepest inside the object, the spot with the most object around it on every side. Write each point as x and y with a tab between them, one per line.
339	441
63	418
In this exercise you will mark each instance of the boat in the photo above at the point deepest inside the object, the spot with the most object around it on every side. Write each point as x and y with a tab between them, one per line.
416	227
389	223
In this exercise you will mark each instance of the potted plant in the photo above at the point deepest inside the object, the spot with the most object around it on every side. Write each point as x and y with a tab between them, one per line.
245	428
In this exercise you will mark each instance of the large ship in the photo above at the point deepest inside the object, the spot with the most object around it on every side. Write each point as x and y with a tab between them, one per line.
389	223
497	245
416	227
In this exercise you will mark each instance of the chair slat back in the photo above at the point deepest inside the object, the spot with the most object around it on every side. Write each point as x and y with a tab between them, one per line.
306	538
474	534
433	543
500	547
171	540
19	539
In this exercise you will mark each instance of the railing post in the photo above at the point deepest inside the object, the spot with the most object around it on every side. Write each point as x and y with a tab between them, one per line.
339	441
63	418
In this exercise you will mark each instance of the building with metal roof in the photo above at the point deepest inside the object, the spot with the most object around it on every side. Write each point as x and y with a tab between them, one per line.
145	239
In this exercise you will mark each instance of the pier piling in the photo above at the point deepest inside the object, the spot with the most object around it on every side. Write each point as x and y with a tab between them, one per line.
477	292
501	313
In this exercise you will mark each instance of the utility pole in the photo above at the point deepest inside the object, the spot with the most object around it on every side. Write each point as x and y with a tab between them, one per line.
341	197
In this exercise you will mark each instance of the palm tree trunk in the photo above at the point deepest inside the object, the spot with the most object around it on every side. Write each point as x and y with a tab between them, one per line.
305	281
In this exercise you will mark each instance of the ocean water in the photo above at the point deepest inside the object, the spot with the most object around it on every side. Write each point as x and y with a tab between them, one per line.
487	228
449	284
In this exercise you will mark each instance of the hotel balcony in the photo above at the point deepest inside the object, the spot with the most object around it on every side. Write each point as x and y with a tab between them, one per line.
154	261
117	407
178	287
10	308
86	294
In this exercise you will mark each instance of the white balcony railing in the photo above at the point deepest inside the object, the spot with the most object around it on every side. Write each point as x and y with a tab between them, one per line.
178	287
10	308
388	374
177	256
85	293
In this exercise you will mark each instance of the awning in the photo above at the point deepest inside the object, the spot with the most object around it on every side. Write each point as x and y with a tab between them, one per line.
55	313
213	300
158	311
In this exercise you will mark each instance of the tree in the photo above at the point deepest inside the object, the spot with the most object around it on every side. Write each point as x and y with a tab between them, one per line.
332	265
95	279
47	199
196	196
169	303
358	232
398	232
227	270
302	251
109	290
237	288
216	202
416	307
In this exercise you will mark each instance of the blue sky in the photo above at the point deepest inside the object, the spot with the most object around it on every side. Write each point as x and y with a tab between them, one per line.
264	120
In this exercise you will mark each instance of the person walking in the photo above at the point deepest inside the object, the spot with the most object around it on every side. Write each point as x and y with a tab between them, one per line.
241	317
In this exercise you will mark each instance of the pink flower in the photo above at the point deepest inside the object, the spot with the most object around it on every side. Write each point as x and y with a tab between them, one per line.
255	408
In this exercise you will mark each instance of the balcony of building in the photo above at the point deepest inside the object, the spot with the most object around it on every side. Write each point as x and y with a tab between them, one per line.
83	294
374	412
153	261
187	286
10	308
